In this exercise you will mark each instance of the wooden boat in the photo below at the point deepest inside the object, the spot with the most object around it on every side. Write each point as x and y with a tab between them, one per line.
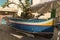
33	25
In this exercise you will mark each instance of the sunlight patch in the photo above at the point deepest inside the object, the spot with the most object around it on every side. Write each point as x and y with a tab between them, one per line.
18	36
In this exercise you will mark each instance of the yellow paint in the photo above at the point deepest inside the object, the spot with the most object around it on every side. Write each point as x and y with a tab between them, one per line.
47	24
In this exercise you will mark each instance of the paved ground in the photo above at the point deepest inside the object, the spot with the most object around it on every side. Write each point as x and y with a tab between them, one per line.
6	33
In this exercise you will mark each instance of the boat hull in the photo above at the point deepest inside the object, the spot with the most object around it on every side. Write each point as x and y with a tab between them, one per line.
33	27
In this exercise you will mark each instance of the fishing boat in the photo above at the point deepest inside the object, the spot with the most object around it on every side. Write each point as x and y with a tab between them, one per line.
33	25
36	25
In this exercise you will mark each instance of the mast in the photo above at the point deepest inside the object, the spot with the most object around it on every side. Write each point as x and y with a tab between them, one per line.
53	10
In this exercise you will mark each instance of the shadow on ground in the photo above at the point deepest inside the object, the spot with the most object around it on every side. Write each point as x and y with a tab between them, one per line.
8	33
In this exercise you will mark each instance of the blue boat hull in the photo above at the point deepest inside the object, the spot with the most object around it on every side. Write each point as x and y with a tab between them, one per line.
33	27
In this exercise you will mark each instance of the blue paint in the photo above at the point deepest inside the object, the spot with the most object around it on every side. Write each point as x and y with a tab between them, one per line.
3	21
2	2
32	28
32	20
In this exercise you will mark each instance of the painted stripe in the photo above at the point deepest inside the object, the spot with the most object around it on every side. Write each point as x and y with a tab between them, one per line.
30	28
46	23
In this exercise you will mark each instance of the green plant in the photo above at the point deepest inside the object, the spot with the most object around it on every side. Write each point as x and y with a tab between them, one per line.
26	14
